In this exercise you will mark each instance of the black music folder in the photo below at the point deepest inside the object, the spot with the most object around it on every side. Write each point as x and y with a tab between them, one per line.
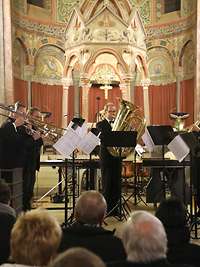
119	139
161	134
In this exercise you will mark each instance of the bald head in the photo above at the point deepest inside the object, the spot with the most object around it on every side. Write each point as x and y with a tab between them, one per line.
77	257
144	237
90	208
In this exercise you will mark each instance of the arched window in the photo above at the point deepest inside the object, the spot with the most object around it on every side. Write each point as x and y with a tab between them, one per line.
172	5
39	3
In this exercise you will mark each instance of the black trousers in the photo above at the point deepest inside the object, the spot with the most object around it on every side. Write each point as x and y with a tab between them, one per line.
174	178
111	181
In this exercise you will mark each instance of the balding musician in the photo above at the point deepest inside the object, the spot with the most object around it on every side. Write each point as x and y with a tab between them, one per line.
110	165
87	231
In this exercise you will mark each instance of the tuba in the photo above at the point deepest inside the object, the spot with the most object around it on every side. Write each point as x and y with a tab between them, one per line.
129	117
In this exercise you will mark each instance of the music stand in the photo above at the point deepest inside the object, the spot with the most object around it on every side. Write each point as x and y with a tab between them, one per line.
161	135
191	139
75	123
119	139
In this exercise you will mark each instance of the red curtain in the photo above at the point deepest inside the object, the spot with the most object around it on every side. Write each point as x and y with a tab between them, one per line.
48	98
20	91
187	100
138	97
162	101
96	102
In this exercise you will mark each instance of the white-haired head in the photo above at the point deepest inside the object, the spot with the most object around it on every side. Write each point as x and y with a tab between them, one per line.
144	238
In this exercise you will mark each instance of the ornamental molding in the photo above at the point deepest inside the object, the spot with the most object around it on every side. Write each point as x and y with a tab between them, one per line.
47	81
44	29
58	31
164	31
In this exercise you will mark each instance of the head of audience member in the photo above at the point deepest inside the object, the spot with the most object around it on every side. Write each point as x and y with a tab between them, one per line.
110	111
5	194
77	257
90	208
144	238
35	238
173	214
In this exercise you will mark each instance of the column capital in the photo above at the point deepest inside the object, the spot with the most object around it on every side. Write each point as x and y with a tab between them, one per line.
145	83
66	82
29	72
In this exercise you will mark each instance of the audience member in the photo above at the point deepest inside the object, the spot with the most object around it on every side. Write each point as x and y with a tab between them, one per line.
77	257
35	239
87	231
145	242
7	220
173	215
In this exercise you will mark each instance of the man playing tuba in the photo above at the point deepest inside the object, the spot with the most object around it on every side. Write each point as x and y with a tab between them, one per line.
110	165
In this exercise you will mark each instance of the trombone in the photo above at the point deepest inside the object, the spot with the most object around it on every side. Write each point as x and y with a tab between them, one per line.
49	131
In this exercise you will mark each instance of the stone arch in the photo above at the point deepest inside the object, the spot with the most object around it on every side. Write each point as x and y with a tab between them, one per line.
161	65
141	63
109	51
71	60
187	60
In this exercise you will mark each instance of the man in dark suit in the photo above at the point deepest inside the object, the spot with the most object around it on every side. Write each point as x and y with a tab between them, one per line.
32	163
87	230
110	165
12	143
7	220
17	148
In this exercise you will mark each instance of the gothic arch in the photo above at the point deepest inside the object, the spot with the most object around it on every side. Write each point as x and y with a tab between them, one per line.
161	65
102	51
187	60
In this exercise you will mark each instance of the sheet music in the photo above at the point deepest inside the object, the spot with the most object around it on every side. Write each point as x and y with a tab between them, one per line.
88	143
148	141
179	148
81	131
68	142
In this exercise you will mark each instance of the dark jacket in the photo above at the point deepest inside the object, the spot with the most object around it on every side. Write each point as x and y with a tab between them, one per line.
96	239
157	263
180	250
7	220
12	147
106	158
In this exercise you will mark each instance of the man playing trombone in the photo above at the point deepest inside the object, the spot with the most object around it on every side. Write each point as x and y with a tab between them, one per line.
17	147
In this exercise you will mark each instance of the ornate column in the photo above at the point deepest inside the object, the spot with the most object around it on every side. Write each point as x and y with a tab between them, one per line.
197	87
66	84
178	88
85	96
145	84
76	81
127	88
6	71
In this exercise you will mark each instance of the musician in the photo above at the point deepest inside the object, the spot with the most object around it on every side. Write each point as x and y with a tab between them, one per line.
32	163
16	148
11	142
110	165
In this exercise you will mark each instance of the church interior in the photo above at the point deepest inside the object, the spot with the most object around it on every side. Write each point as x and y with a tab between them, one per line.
69	58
